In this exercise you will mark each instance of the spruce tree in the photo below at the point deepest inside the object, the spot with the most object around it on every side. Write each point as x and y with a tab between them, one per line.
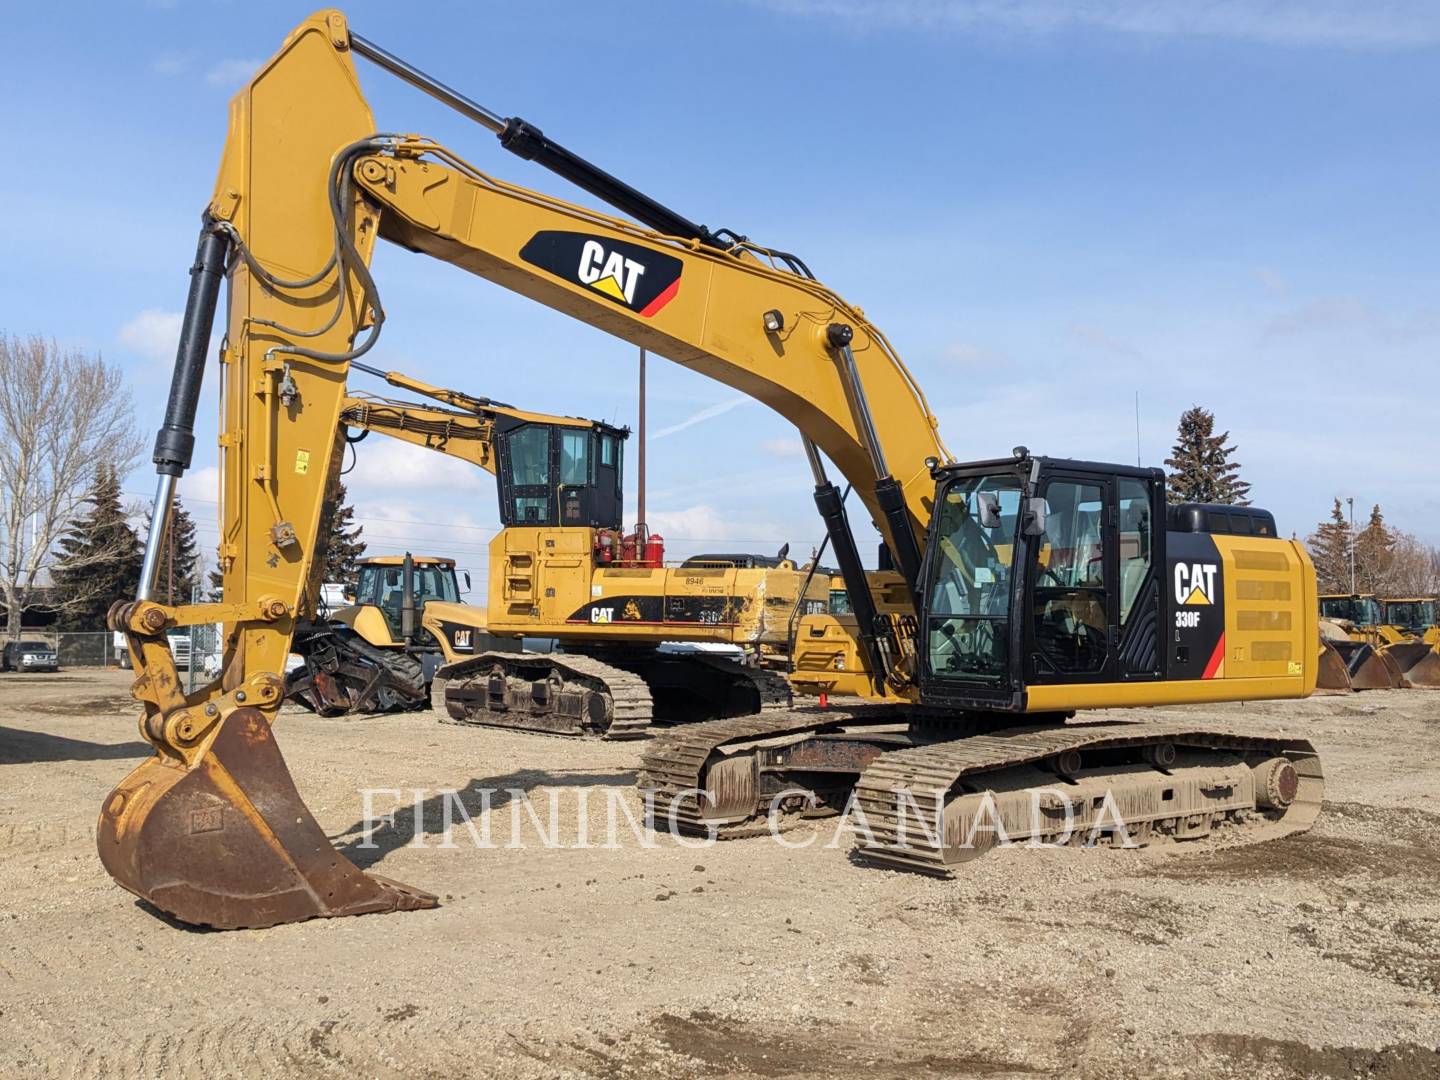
1329	547
1200	466
99	560
175	583
1374	554
344	547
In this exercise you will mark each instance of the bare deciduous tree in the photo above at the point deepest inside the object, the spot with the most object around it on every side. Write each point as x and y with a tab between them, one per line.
62	413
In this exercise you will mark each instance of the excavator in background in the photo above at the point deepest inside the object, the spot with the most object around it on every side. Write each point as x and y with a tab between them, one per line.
1367	649
1037	586
563	568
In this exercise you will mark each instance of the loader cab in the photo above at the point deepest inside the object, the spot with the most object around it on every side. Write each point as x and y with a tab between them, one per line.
560	475
1357	609
1041	571
381	584
1414	616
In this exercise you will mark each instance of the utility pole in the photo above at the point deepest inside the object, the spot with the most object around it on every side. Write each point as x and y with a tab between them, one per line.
1351	502
640	479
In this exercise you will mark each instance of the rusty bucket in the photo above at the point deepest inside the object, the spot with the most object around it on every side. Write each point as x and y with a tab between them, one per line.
228	842
1418	662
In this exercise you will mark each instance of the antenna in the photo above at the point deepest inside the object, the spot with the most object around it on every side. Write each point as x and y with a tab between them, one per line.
1137	428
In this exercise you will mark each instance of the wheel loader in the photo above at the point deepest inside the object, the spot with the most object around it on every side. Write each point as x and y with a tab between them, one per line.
1379	645
1034	587
380	652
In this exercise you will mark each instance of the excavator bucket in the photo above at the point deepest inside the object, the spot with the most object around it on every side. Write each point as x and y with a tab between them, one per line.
1418	662
229	843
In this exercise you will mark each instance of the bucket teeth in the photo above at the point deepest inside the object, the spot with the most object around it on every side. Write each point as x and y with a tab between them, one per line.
229	843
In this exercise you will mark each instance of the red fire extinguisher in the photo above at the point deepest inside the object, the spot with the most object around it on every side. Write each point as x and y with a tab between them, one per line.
655	551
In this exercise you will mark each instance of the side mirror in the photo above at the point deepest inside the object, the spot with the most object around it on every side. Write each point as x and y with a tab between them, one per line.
467	580
989	504
1036	511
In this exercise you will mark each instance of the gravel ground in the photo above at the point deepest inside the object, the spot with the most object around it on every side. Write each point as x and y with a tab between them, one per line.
1315	955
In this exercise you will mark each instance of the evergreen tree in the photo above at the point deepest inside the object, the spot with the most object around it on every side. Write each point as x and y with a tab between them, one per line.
216	577
99	558
1374	554
1200	468
1329	547
344	547
180	566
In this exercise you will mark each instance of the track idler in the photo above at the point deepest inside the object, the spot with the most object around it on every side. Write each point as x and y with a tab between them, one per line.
228	842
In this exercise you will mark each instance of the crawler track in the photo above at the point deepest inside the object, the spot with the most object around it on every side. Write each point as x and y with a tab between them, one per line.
715	758
552	693
915	800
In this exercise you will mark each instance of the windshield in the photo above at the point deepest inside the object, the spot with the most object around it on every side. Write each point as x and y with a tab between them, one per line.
1361	610
385	585
1410	614
34	646
968	613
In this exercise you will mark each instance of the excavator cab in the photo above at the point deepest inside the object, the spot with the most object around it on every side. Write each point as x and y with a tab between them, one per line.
1043	575
560	476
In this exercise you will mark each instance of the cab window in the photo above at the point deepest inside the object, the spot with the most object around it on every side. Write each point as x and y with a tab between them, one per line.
968	624
1069	606
1136	541
574	458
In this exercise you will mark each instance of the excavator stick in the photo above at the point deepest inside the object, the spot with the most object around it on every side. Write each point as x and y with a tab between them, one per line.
1418	663
229	843
211	829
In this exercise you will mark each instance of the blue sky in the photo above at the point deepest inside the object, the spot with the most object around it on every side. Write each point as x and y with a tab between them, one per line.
1049	207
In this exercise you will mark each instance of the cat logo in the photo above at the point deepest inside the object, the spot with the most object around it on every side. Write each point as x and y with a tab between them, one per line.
635	277
1195	583
462	641
631	612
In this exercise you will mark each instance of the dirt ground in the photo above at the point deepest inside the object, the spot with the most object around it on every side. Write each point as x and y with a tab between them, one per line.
1317	955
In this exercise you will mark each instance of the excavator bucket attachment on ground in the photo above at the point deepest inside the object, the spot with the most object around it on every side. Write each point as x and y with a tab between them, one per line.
229	843
1418	663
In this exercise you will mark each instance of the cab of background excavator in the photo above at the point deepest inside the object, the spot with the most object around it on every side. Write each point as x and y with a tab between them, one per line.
561	476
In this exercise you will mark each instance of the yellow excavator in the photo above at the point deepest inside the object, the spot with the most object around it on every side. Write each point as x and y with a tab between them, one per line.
1037	585
633	631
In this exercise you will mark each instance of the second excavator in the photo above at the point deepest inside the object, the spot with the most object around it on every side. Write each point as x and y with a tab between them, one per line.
1033	586
563	568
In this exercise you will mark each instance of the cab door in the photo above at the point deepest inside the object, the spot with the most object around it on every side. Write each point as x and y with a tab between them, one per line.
1095	599
1073	613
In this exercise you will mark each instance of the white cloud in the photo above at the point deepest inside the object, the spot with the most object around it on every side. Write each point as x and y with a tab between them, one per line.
385	465
708	413
201	485
171	63
231	74
1097	338
1379	24
969	355
152	334
783	448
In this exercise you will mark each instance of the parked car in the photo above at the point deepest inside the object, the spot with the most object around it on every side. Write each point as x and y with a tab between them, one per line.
28	656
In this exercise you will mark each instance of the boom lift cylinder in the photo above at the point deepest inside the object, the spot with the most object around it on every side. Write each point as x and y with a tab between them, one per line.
175	441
